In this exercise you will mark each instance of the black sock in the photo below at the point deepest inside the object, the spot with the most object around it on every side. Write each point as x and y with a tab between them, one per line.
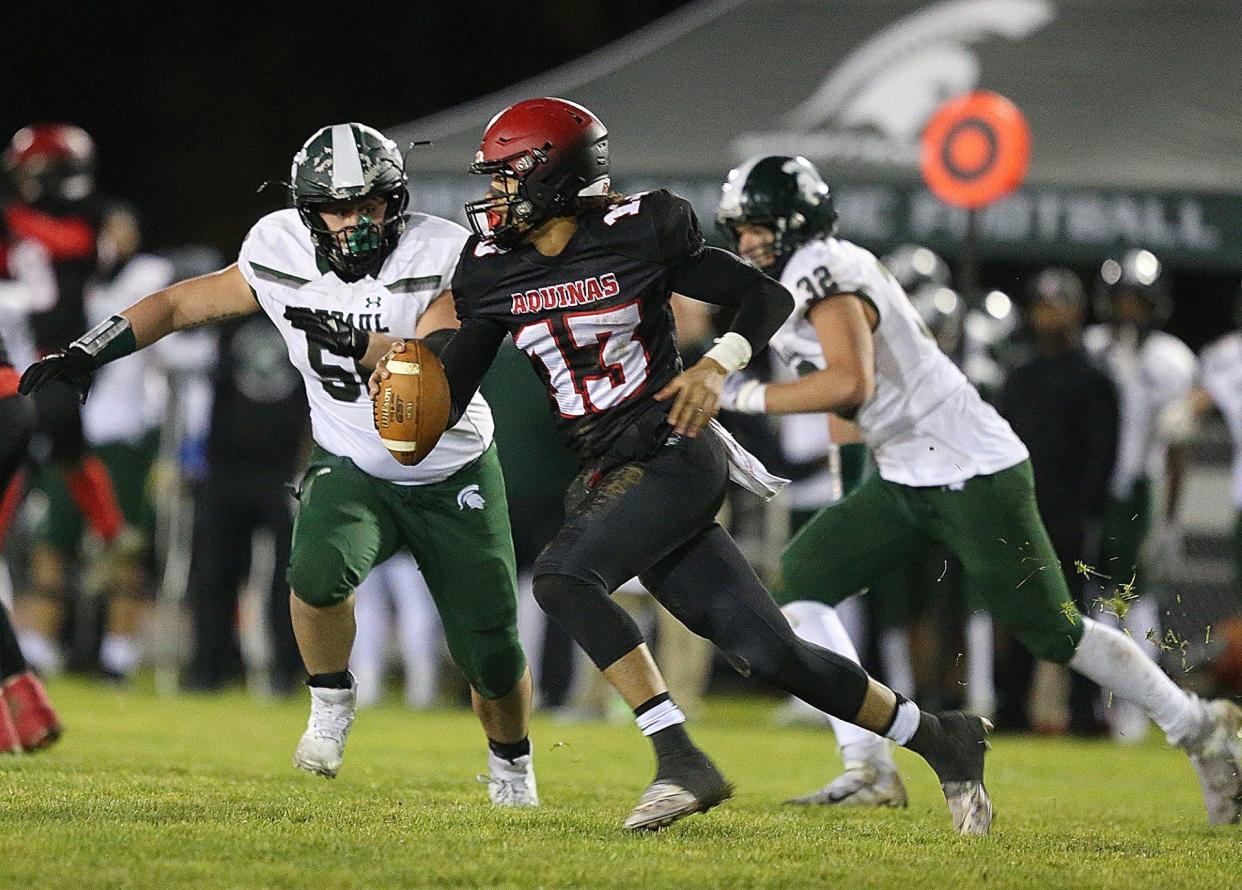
335	680
510	751
12	662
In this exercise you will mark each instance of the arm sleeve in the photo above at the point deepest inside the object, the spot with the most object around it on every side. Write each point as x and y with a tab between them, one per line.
466	358
718	277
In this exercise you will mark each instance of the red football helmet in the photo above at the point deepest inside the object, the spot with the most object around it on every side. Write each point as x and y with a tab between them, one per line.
554	151
51	161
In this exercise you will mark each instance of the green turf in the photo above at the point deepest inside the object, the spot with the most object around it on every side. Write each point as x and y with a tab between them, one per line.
199	792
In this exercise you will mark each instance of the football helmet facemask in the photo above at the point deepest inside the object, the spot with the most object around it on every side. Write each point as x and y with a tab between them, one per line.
345	162
549	153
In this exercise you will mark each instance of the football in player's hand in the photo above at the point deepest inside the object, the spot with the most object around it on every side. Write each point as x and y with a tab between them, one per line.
413	405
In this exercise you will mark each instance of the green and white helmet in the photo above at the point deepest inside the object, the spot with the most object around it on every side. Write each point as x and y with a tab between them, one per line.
344	162
781	192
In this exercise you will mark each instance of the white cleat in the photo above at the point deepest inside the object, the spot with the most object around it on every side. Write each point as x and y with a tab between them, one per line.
863	784
511	783
322	747
1217	757
664	803
970	807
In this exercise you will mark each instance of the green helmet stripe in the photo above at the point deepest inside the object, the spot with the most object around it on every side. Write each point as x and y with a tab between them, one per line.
346	161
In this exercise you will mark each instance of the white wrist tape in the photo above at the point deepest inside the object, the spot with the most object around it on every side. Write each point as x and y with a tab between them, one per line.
731	352
752	398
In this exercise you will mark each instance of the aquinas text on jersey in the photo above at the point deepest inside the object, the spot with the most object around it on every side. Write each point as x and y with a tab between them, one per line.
567	295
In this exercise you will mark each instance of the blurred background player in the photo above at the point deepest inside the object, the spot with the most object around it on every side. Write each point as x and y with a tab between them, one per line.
1154	373
950	469
27	720
121	428
1063	407
393	603
1222	384
50	170
257	442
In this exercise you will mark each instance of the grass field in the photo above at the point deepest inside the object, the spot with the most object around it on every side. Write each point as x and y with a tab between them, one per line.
199	792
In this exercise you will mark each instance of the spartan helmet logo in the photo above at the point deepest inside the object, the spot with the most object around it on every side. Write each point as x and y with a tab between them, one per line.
469	497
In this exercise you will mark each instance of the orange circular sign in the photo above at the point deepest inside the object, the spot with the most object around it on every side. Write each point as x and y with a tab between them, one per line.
976	150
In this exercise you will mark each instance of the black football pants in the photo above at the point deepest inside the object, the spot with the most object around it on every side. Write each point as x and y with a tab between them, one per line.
655	519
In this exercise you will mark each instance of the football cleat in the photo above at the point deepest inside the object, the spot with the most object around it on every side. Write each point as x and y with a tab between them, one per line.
960	770
33	717
322	747
664	802
1216	754
863	784
511	783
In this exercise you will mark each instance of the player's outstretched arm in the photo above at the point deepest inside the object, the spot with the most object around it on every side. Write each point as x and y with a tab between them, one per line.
196	301
843	324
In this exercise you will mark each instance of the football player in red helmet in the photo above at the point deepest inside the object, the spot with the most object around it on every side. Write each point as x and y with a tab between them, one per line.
581	277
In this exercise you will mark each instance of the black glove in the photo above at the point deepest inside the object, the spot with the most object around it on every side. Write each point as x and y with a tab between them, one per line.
334	334
74	366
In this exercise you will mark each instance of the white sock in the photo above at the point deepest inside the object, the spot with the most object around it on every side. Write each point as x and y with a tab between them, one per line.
819	624
662	716
895	655
980	683
1143	622
905	723
1117	663
120	654
44	655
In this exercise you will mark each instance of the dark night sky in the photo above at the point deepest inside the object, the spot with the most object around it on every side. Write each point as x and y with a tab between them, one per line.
193	106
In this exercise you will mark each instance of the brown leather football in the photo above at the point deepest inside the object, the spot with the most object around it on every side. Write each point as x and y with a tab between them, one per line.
413	405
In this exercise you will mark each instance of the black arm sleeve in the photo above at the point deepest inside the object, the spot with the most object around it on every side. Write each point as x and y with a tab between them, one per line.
438	339
719	277
466	358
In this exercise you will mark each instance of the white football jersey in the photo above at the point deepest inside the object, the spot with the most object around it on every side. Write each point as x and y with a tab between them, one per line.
1154	376
925	423
278	260
1222	377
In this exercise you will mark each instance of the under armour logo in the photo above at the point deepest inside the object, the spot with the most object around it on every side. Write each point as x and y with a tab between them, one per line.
373	302
470	497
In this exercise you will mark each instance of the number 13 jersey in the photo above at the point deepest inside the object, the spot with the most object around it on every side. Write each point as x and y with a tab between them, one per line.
279	262
595	319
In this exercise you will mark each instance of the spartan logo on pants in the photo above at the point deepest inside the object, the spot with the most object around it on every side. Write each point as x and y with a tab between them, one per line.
469	497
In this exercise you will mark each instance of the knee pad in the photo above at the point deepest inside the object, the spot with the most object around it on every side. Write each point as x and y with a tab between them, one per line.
584	609
319	579
494	661
556	594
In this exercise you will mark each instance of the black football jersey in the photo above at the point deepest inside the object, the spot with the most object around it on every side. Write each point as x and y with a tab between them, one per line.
595	319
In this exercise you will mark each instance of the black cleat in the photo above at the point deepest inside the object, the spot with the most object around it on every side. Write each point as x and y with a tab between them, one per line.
683	787
959	765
